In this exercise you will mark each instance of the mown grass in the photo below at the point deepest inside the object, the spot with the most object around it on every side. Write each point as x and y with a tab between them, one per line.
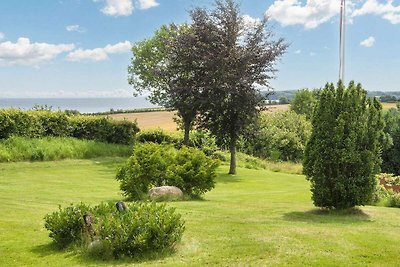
250	162
256	218
56	148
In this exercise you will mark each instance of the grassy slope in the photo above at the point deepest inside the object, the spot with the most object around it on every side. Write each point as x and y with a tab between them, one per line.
255	218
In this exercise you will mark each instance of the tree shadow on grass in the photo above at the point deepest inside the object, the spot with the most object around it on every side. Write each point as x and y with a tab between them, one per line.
46	249
227	178
348	216
85	258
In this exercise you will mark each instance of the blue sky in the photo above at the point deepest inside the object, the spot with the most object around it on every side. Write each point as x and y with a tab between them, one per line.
80	48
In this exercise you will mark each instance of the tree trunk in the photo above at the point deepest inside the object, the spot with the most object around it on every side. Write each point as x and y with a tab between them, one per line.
186	126
232	149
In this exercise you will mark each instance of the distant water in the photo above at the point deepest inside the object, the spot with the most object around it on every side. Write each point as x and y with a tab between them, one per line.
83	105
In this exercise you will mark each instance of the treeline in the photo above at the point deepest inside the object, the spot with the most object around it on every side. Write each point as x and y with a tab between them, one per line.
289	95
43	123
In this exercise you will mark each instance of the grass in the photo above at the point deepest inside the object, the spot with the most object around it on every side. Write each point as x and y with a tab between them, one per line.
250	162
256	218
56	148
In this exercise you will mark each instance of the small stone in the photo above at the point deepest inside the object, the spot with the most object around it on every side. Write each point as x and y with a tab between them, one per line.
166	193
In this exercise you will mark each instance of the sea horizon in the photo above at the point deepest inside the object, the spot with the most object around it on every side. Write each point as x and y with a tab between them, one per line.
82	104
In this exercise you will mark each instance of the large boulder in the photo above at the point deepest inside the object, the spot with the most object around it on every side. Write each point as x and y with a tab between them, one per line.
165	193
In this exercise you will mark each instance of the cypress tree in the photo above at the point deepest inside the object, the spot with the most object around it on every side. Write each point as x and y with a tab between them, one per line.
343	153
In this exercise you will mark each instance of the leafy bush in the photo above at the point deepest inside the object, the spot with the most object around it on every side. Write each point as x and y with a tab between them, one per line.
157	136
42	123
192	171
102	129
391	154
278	136
52	123
141	228
393	200
55	148
304	102
157	165
203	141
199	139
66	225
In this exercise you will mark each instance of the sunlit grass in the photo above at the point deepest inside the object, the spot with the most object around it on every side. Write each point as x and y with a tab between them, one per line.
256	218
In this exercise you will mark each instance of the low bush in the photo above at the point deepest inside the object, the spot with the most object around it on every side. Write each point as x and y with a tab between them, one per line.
139	229
56	148
157	165
192	171
199	139
384	193
277	136
67	225
157	136
142	228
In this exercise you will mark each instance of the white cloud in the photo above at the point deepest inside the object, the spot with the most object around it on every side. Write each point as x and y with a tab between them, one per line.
23	52
368	42
249	21
388	11
99	54
118	8
2	35
310	15
297	51
312	54
75	28
146	4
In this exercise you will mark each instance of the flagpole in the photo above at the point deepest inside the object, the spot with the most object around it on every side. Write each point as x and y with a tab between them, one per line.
342	37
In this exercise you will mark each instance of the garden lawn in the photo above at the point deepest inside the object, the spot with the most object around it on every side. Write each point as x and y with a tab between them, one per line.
255	218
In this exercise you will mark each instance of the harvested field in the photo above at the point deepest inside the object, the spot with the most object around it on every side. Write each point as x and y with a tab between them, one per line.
164	119
150	120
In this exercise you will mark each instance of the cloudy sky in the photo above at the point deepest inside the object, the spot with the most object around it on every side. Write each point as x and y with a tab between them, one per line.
81	48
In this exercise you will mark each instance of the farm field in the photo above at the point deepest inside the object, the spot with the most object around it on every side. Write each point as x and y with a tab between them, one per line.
164	119
256	218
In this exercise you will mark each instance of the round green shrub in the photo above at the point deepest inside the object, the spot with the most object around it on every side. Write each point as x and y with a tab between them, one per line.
66	225
153	165
141	228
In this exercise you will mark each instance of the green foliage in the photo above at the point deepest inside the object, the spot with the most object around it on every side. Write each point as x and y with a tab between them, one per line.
141	228
199	139
278	136
157	136
103	129
193	172
42	122
343	153
157	165
146	168
234	57
304	102
391	154
164	67
56	148
66	225
203	140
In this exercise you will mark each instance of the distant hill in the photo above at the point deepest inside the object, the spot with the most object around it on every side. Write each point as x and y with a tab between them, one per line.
289	94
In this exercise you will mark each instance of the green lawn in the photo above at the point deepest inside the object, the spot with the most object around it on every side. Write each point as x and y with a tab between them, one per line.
256	218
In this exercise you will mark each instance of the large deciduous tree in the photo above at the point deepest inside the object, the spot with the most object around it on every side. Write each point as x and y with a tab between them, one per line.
163	65
237	55
343	153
